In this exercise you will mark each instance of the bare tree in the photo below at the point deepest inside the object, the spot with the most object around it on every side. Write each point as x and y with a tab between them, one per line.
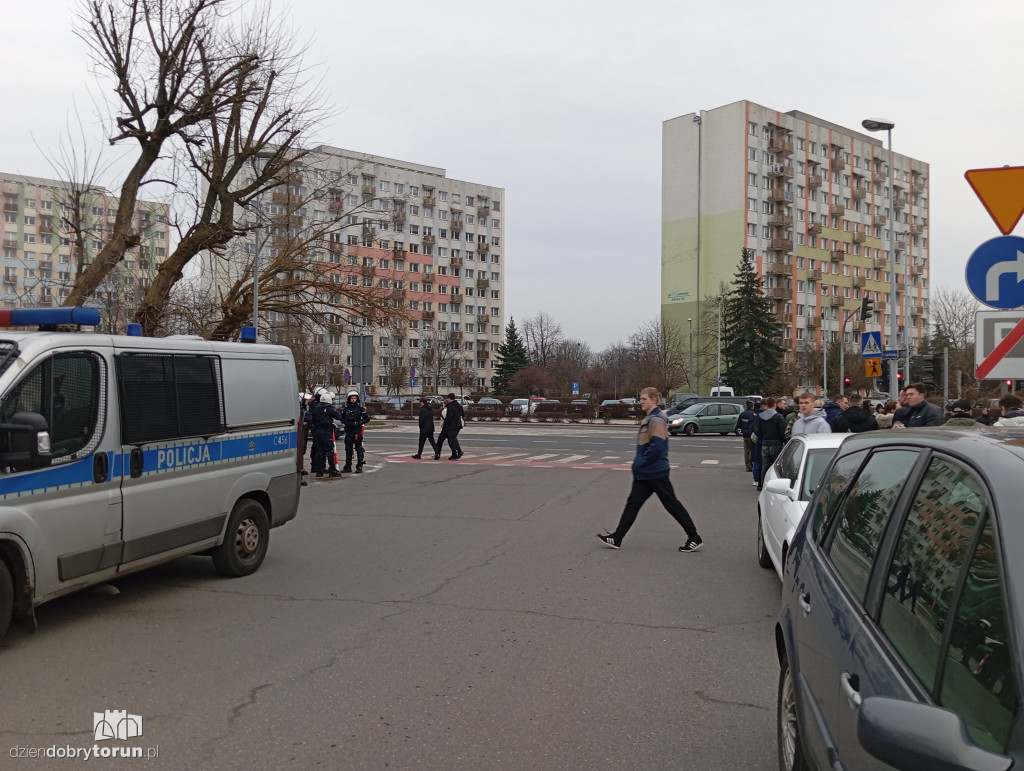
660	352
952	314
531	380
438	353
542	336
463	379
221	95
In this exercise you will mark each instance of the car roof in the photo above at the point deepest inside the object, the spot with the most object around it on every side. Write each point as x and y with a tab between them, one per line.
822	440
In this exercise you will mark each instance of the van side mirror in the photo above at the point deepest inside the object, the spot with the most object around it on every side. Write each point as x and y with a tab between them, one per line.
25	441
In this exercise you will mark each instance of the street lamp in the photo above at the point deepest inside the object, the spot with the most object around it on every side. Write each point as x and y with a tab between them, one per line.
689	361
881	124
698	120
718	393
824	356
257	166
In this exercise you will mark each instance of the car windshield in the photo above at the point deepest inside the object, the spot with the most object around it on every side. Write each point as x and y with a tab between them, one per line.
817	460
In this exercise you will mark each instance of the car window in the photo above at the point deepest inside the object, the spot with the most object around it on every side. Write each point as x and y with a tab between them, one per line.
734	409
979	682
814	467
835	487
864	515
927	561
711	411
788	464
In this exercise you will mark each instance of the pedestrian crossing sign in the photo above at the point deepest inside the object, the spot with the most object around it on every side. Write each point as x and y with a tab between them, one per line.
871	345
873	367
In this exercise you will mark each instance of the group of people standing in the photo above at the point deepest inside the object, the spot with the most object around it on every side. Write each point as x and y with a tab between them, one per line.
323	422
452	421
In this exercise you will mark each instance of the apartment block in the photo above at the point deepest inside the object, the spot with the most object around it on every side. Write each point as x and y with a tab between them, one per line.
812	201
51	229
434	245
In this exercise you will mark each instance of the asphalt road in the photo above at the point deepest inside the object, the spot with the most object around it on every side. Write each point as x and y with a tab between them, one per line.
435	615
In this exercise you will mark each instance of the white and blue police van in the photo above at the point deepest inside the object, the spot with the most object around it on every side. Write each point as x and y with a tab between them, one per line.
121	452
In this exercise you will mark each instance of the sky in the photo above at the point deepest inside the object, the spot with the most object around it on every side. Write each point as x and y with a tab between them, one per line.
561	103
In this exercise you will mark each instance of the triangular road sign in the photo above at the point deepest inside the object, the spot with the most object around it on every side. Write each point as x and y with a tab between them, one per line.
1001	192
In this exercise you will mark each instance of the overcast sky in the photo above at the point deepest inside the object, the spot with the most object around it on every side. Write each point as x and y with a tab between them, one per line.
561	103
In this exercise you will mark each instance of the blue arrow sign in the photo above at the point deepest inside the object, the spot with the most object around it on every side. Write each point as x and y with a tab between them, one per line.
870	345
995	272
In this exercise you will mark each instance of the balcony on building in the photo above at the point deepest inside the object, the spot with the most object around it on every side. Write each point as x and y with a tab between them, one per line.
11	205
280	197
917	310
880	305
482	353
859	237
859	192
780	220
858	326
481	246
398	216
781	144
777	269
456	335
780	244
814	228
917	228
483	318
335	204
832	301
813	321
777	293
10	278
368	270
860	281
10	242
46	265
398	294
900	201
837	163
457	224
837	255
917	270
777	193
814	180
814	274
369	231
370	191
786	317
399	253
428	315
456	262
901	246
780	170
482	283
429	239
880	219
483	211
837	210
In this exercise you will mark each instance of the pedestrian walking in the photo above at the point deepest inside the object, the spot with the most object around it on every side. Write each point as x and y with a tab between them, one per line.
353	417
426	427
452	422
650	477
325	459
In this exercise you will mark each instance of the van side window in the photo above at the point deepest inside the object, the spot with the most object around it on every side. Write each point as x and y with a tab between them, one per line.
169	396
67	390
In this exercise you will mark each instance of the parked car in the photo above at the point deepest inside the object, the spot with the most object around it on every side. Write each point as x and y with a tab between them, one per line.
488	400
518	407
740	400
788	485
716	417
606	403
899	638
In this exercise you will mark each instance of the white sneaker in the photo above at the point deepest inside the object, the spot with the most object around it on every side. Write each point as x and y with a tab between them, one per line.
754	483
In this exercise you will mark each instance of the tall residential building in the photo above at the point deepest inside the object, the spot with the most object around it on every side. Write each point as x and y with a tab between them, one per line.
52	228
811	199
431	244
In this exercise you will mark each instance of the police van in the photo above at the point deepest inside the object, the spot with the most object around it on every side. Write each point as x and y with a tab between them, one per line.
121	452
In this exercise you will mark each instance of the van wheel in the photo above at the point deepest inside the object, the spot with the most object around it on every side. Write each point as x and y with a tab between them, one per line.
245	540
791	755
6	598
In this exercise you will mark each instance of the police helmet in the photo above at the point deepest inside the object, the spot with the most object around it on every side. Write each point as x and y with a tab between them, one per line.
352	393
327	397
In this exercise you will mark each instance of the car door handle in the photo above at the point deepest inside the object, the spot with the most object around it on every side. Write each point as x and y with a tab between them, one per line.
805	602
849	685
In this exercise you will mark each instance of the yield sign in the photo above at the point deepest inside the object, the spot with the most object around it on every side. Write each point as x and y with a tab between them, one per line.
1001	192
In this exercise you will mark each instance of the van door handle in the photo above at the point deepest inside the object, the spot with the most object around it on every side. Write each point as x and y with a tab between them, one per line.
849	685
805	602
100	467
135	462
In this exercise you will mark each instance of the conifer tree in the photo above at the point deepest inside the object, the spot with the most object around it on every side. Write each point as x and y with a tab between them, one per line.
511	358
750	332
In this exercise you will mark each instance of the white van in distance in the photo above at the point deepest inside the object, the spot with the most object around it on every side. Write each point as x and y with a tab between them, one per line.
722	391
121	452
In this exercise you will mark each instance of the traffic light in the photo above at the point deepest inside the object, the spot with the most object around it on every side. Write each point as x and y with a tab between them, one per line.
899	376
928	367
846	381
867	307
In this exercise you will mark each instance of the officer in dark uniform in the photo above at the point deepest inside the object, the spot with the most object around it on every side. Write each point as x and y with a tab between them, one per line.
353	417
323	417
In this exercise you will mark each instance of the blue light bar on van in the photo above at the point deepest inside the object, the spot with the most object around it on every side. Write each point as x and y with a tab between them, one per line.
248	335
49	317
134	330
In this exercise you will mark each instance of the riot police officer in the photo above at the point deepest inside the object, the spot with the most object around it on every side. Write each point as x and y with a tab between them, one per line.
323	416
353	417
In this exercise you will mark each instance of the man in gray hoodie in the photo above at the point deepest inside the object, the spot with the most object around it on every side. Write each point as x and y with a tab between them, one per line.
811	419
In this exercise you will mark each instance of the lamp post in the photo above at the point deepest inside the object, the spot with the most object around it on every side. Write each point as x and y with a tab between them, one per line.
689	360
881	124
824	357
259	160
700	123
719	344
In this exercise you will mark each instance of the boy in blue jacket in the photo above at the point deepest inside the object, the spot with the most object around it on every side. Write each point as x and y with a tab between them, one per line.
650	477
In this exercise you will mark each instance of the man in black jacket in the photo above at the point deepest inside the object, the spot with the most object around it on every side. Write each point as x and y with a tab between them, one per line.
855	418
450	427
353	417
770	430
322	417
745	423
426	427
921	413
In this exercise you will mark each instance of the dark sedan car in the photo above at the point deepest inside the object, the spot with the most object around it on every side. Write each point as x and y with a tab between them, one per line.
901	636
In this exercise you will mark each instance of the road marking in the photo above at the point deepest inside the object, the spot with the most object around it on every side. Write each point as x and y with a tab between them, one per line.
709	462
541	457
571	459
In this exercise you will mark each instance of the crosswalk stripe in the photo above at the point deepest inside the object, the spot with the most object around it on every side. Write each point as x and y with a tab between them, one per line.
570	459
542	457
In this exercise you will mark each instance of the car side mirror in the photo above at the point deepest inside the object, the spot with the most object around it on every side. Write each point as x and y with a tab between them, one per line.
910	735
25	441
781	486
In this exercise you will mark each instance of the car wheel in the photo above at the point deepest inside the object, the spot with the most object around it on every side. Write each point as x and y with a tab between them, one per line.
763	559
245	540
6	598
791	755
690	429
